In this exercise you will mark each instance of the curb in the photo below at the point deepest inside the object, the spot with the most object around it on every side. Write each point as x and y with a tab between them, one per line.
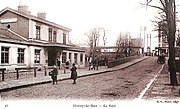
49	81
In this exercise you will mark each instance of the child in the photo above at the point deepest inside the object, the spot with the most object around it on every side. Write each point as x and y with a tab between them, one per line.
54	74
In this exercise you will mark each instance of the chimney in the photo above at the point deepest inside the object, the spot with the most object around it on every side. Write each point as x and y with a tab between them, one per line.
23	8
41	15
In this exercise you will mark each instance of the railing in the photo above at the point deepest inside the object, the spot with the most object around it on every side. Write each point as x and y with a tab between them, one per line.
23	72
25	68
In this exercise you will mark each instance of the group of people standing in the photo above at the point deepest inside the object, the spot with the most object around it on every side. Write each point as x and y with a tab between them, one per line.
54	73
93	63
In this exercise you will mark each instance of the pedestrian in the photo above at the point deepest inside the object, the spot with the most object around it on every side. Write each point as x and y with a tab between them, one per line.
90	63
58	63
66	65
96	62
93	64
54	74
74	73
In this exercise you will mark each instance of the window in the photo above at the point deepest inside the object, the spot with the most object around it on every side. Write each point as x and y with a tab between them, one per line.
37	56
75	58
50	35
54	36
38	29
81	58
20	55
4	55
70	57
63	57
64	38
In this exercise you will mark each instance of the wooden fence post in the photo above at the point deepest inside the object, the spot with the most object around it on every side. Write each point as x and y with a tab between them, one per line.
45	70
17	73
2	69
35	71
2	75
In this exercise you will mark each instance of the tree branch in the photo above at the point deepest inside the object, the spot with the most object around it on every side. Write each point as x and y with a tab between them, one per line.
148	1
154	6
163	4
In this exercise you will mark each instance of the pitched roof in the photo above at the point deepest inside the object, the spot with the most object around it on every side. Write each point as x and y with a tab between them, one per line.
9	34
31	17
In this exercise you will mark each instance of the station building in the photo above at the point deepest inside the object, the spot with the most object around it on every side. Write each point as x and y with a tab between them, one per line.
28	41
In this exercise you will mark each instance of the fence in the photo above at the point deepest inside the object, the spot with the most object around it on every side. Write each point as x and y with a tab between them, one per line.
23	72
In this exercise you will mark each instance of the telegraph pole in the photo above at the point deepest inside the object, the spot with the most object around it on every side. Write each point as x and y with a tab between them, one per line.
150	41
147	40
144	38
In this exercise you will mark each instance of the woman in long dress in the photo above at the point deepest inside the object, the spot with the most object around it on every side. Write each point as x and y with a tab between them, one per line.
74	73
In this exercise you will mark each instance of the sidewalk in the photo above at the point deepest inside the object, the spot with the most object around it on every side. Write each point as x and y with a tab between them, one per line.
13	84
161	90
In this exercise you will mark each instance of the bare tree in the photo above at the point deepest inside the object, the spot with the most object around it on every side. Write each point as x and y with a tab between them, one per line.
168	7
122	43
93	37
118	45
104	42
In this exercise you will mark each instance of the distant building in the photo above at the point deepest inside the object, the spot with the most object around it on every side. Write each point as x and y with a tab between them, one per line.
27	40
137	42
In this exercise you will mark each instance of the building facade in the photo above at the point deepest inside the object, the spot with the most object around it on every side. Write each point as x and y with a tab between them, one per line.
137	42
27	40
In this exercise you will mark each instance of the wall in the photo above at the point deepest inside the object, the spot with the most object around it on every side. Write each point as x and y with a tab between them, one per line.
9	15
13	54
59	36
32	29
44	32
21	26
44	35
27	28
80	65
28	56
31	52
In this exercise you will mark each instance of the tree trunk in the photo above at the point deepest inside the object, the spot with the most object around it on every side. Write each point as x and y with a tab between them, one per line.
172	66
170	14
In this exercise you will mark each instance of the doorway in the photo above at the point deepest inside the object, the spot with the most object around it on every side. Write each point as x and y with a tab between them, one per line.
52	56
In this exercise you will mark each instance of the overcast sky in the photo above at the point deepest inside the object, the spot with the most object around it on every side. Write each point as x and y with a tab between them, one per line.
82	15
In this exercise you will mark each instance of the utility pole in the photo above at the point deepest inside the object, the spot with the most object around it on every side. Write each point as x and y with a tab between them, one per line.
144	38
140	39
147	40
150	41
140	36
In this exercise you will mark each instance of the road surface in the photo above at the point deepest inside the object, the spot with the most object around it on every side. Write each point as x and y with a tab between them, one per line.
125	84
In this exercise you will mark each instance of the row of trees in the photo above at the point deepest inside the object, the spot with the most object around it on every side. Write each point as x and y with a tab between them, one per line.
93	40
123	43
96	34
